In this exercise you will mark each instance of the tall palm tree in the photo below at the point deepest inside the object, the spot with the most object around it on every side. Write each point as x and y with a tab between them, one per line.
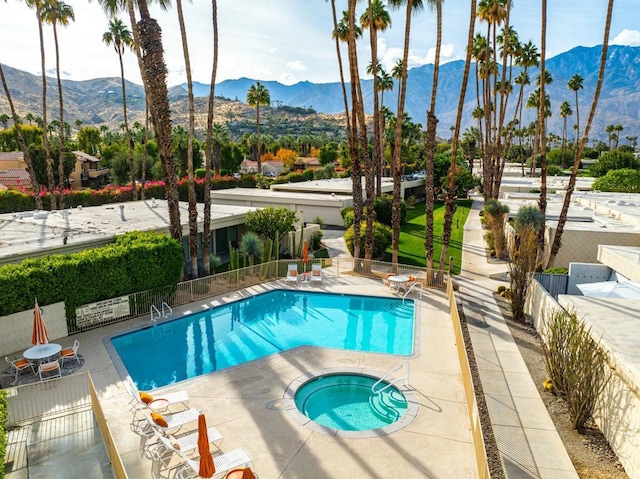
449	201
23	145
385	83
562	219
542	108
430	139
617	131
191	185
256	96
219	138
575	84
565	112
210	149
120	37
38	6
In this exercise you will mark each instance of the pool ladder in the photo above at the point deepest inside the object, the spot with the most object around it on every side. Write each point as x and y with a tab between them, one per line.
156	313
417	284
404	379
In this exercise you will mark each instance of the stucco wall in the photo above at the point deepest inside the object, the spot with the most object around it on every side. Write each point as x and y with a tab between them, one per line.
16	328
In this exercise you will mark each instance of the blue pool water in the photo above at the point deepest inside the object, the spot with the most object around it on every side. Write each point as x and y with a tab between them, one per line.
347	402
261	325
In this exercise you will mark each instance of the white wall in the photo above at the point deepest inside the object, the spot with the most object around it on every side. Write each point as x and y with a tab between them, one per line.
17	327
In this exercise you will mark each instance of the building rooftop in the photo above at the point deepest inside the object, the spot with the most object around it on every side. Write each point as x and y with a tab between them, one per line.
35	233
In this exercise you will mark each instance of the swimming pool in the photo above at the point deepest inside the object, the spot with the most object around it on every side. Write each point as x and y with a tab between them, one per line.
256	327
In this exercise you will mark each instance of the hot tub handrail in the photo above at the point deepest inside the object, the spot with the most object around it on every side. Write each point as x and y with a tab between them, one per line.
397	367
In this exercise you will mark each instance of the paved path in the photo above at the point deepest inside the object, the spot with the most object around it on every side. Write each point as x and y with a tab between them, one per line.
529	444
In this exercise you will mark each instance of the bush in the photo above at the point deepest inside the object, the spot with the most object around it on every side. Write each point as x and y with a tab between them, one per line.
619	181
382	236
316	239
556	270
136	261
554	170
613	160
382	206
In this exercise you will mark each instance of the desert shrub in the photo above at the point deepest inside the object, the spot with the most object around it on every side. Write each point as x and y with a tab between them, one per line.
381	238
316	240
556	270
576	364
625	180
495	213
529	215
522	264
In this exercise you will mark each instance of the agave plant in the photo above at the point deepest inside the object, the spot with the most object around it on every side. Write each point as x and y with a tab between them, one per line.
251	246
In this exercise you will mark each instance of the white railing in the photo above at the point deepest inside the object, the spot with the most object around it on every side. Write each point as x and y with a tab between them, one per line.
155	313
411	288
169	311
397	367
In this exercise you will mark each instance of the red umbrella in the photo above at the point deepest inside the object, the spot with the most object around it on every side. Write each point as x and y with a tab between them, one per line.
207	467
305	253
39	335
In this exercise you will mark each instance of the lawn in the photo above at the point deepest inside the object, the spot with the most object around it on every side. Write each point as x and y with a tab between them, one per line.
412	235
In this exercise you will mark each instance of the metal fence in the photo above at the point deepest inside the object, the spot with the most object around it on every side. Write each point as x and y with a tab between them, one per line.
198	289
555	284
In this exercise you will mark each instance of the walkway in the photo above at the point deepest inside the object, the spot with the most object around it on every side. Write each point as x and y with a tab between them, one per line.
529	444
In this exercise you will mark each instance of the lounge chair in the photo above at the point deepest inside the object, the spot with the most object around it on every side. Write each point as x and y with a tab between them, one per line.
223	463
19	365
70	353
144	399
186	443
292	274
316	272
171	423
52	370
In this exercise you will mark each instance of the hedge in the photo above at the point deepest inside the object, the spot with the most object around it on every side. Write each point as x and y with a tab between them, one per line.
136	261
13	201
4	415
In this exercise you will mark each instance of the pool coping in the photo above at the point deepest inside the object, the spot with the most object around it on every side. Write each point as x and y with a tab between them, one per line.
287	404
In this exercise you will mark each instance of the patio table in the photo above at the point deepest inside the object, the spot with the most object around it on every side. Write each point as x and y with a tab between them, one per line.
398	281
42	351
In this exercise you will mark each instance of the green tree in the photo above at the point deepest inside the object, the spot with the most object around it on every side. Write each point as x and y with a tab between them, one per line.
89	139
575	84
613	160
625	180
257	96
271	223
565	111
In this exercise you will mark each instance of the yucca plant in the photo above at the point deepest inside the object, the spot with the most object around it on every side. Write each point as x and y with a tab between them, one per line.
251	246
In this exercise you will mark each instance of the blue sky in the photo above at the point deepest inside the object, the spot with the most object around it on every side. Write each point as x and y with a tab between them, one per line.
290	40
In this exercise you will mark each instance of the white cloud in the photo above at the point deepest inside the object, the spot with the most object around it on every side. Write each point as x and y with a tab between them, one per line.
389	56
446	54
627	37
287	78
272	50
296	66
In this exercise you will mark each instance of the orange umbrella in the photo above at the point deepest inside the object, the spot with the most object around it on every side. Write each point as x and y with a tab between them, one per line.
241	473
39	335
207	467
305	252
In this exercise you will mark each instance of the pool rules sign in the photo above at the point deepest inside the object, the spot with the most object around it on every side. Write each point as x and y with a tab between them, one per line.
95	313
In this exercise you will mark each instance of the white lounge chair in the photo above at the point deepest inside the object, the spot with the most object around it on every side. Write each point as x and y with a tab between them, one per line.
224	463
143	399
70	353
171	423
292	274
316	272
52	370
167	445
19	365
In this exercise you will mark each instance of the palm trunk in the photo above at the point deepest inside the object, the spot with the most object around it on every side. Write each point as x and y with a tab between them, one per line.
258	148
134	188
45	137
449	201
143	173
60	99
577	118
23	145
206	233
557	239
432	124
542	202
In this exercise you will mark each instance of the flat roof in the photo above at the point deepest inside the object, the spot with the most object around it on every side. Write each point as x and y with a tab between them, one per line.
35	233
279	195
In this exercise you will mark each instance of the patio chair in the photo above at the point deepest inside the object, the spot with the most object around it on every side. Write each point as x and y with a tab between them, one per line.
70	353
52	370
292	274
316	272
168	445
144	399
19	365
171	423
224	463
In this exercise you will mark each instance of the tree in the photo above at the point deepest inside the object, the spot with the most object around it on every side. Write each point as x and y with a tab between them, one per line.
495	213
271	223
565	111
120	37
575	84
542	109
4	119
89	139
219	138
256	96
625	180
562	219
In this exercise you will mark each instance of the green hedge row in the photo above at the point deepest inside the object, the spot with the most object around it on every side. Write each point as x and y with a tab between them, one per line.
4	415
13	201
136	261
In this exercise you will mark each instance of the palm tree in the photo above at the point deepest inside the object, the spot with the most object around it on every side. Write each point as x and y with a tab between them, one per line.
430	139
4	119
565	111
385	83
562	219
449	201
29	117
120	37
210	149
39	5
23	145
609	130
575	84
618	130
219	137
256	96
191	185
542	109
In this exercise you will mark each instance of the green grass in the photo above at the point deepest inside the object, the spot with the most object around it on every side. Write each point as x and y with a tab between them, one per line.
412	235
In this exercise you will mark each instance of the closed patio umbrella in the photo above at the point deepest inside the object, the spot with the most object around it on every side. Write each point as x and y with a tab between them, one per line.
305	255
39	335
207	467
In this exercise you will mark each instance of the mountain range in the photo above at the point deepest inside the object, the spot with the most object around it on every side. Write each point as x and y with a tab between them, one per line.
98	101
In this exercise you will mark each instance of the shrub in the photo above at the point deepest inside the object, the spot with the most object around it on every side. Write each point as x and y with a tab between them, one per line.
576	364
521	267
619	181
529	215
613	160
554	170
556	270
382	235
382	206
316	239
501	288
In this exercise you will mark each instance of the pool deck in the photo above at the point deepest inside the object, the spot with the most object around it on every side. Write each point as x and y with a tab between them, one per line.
436	444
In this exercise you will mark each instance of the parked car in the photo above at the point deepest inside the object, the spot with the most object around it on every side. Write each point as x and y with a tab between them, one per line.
419	175
270	174
237	176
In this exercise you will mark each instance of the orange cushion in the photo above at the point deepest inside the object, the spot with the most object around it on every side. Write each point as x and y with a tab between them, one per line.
293	272
49	366
159	419
316	272
21	363
67	352
412	278
146	398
